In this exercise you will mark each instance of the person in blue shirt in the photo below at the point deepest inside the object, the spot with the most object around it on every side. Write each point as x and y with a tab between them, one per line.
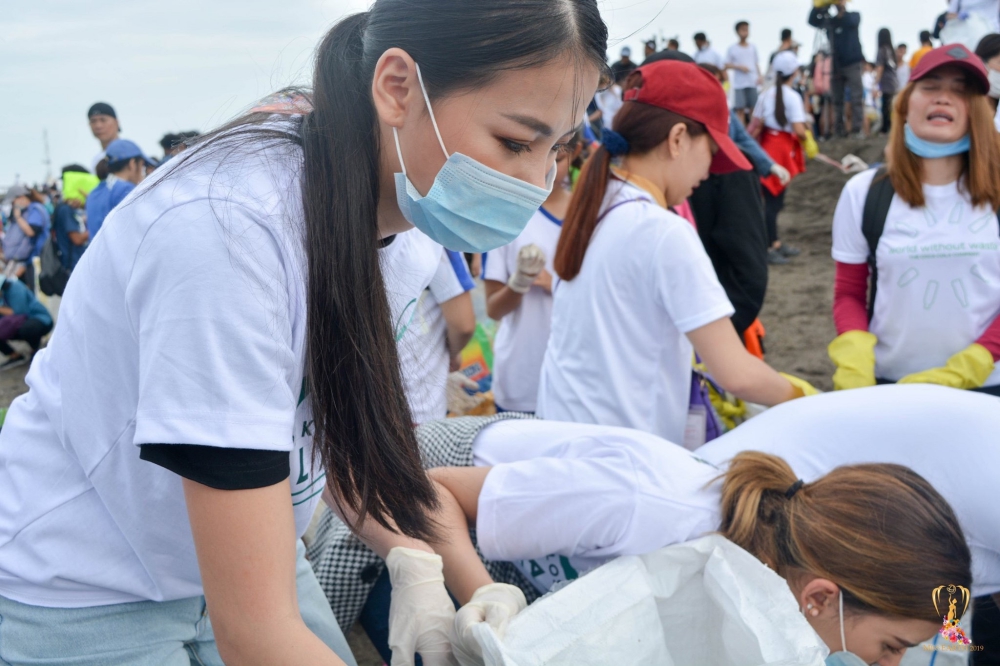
127	166
25	233
67	224
17	300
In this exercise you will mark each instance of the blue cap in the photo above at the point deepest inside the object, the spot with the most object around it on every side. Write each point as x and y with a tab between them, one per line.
120	150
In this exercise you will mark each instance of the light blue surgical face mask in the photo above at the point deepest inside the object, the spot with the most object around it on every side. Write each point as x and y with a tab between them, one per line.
470	207
844	658
930	150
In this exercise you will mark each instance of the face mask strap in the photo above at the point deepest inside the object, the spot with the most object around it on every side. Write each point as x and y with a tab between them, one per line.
843	638
430	110
399	153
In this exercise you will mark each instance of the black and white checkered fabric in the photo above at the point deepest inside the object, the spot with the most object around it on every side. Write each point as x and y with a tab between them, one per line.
347	569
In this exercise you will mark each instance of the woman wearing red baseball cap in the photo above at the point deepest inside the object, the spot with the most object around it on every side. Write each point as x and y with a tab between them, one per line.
638	294
924	230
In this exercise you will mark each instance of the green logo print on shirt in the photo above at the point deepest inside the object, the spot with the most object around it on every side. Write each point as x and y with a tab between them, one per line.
307	480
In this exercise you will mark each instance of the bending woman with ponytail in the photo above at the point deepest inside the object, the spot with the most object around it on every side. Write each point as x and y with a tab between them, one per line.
226	350
841	518
638	293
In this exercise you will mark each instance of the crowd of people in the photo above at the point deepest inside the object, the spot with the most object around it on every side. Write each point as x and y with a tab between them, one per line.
311	267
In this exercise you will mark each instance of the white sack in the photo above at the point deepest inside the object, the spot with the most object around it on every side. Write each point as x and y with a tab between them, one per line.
703	602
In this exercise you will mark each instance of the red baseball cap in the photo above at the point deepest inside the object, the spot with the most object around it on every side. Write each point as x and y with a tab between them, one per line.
953	54
692	92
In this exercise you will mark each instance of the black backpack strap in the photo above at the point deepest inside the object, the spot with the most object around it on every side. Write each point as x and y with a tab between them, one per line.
877	204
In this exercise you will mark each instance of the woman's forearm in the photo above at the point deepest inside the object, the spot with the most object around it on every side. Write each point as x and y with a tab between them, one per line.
501	300
739	372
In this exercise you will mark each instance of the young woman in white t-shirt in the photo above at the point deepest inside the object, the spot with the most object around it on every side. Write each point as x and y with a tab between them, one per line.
519	295
843	510
779	122
933	314
638	294
225	350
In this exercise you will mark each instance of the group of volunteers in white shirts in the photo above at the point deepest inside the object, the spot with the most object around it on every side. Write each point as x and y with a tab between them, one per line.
270	282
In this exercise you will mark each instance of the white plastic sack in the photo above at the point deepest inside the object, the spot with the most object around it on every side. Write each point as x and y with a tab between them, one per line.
703	602
967	32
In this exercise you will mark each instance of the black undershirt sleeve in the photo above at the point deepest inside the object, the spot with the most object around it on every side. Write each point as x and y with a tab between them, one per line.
218	467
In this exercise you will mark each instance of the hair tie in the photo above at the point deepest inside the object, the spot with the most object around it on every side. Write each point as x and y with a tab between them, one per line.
794	488
614	142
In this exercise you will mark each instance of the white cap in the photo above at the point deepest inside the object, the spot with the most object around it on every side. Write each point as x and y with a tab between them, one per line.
786	63
626	51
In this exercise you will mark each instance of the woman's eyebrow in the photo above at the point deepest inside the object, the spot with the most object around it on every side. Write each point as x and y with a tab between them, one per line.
530	122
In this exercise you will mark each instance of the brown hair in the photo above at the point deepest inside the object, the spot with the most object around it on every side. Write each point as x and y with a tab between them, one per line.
644	127
982	162
880	532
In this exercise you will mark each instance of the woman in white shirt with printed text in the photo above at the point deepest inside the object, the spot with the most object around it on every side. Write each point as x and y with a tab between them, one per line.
225	351
923	233
638	294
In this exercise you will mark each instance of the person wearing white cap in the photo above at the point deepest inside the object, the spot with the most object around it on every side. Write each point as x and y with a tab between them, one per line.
780	119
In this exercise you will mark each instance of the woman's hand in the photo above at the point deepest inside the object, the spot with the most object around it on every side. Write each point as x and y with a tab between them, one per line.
5	311
544	280
245	540
422	614
495	604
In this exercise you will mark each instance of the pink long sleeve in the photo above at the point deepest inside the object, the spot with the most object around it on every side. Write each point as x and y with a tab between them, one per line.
850	298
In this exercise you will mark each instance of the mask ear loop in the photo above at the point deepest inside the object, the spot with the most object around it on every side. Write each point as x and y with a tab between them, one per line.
843	638
430	110
399	153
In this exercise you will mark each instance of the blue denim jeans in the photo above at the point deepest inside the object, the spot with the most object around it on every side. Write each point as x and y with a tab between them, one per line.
144	633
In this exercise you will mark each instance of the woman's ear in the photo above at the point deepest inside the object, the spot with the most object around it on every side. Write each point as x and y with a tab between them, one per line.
677	141
395	87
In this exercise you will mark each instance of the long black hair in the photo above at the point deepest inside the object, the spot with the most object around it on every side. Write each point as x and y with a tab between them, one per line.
885	42
363	429
779	97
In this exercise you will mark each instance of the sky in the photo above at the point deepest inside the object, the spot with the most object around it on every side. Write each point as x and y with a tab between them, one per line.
193	64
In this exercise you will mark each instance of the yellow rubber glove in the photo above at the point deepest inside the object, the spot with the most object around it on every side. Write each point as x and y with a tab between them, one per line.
854	354
968	369
810	146
801	386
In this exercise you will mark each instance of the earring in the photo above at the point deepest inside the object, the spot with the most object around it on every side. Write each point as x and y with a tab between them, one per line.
809	606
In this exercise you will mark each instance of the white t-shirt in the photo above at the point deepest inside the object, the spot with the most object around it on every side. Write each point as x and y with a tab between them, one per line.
988	10
710	56
938	275
609	101
996	119
947	436
795	110
185	322
519	348
868	84
419	274
747	57
903	74
618	353
423	350
563	498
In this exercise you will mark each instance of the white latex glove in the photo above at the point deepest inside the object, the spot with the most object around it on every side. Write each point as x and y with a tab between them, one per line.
421	614
459	401
494	604
530	262
782	174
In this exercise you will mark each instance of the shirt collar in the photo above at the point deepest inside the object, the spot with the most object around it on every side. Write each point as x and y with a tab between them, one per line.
643	184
